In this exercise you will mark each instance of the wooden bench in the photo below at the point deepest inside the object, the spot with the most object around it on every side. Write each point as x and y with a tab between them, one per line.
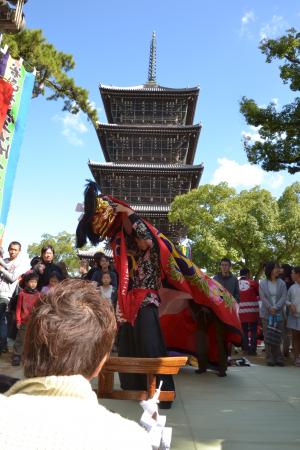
147	366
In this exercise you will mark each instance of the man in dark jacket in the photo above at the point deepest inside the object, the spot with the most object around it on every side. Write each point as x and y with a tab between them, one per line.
227	279
229	282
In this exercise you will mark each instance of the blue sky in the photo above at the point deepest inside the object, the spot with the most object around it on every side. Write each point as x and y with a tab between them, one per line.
211	44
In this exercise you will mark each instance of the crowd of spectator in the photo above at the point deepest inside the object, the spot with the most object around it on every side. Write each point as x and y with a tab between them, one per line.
269	307
273	301
21	285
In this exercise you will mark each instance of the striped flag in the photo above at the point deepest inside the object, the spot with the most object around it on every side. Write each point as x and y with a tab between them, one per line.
6	92
13	72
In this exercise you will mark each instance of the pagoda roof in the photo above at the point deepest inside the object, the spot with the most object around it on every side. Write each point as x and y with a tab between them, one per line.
89	254
102	129
148	88
150	128
151	208
147	167
144	169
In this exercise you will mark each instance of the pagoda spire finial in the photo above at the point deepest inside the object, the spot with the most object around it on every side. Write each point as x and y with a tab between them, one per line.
152	60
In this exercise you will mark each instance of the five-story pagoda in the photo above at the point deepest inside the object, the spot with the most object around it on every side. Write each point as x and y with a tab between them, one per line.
149	145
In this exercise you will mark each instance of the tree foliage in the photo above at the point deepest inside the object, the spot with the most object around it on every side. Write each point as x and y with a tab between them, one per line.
249	227
279	145
64	246
289	224
52	79
202	211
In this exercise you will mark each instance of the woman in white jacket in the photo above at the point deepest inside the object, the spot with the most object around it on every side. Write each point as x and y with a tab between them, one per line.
272	293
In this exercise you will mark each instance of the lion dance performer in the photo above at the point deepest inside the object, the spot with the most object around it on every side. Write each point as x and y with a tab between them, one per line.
160	291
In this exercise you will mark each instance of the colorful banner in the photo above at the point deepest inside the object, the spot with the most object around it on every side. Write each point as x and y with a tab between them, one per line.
12	133
186	249
6	92
3	62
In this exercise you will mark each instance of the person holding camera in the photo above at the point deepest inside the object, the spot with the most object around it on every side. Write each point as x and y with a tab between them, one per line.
10	270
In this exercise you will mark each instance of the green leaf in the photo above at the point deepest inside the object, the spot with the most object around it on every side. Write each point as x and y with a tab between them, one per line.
52	80
279	145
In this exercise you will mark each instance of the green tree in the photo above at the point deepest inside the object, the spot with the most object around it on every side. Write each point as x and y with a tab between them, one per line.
289	225
202	211
52	79
64	246
242	226
279	144
251	227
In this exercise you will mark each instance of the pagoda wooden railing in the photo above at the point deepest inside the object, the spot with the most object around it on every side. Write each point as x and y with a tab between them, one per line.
151	367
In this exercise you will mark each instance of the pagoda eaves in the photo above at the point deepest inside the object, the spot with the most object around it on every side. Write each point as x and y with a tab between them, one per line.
146	183
125	105
126	143
149	88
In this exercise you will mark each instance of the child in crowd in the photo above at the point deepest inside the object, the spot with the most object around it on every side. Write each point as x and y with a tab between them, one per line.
293	301
103	266
110	293
107	290
54	279
26	300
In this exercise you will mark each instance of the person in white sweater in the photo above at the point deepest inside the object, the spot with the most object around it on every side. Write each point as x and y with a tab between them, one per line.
69	336
293	322
10	270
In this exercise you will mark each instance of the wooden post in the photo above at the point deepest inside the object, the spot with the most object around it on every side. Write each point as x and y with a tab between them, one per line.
151	382
105	383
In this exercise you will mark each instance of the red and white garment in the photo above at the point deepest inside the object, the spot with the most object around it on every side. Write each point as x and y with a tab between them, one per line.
249	296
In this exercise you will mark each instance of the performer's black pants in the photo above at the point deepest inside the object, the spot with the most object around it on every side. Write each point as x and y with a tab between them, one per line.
143	340
204	319
202	344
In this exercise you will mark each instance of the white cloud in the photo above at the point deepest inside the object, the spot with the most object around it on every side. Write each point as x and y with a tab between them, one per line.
252	135
72	127
72	137
272	29
274	101
245	175
236	174
74	122
275	181
247	18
